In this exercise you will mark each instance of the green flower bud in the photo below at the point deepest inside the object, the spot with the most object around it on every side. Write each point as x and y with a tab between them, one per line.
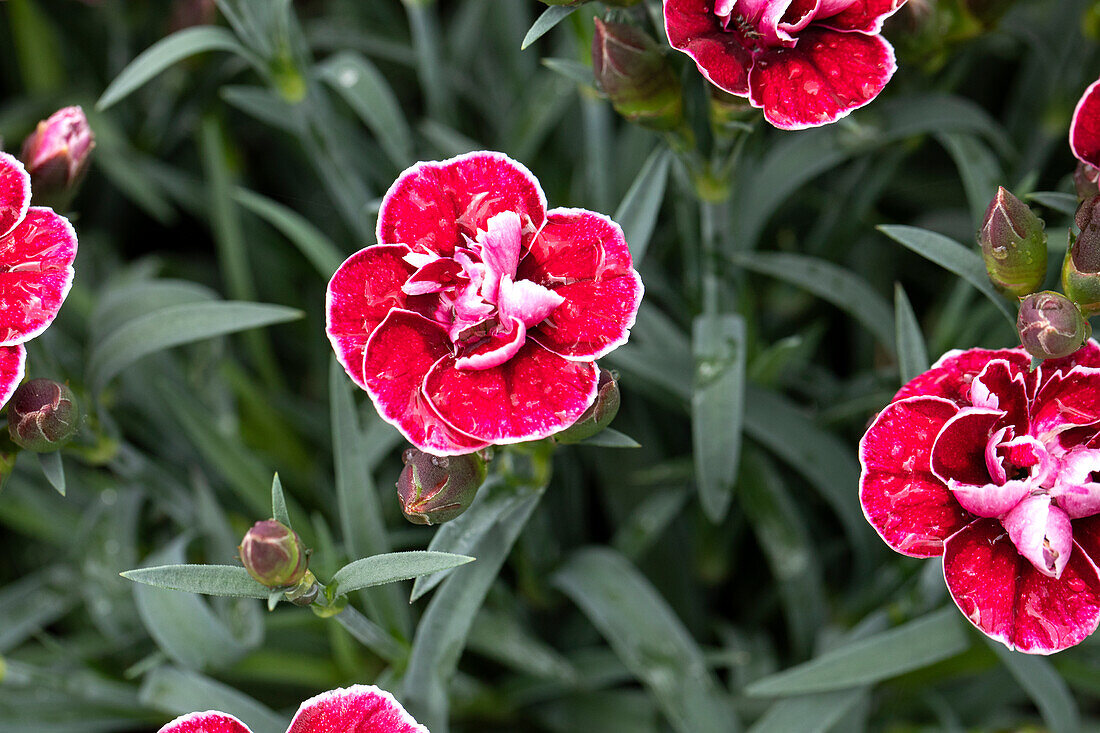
631	69
273	554
1014	245
42	415
598	415
1081	267
1051	326
436	489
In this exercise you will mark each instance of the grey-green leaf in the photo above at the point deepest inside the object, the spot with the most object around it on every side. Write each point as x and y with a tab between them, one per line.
314	246
53	469
542	25
815	713
278	503
392	567
912	353
1044	686
211	580
637	214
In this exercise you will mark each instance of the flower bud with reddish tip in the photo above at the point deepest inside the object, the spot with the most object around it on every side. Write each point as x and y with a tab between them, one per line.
57	154
1085	179
1051	326
1014	245
599	414
436	489
273	554
42	415
632	71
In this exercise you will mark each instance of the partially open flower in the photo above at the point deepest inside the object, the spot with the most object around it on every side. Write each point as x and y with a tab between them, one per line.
359	709
1014	245
57	154
273	554
994	466
436	489
635	76
1051	326
804	63
43	415
478	319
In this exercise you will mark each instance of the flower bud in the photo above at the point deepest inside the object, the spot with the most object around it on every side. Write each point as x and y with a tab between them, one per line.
632	72
42	415
436	489
1014	245
57	154
1051	326
272	553
598	415
1081	267
1085	180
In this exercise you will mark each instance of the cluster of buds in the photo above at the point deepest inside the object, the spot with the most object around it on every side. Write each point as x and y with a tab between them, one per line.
57	154
631	69
436	489
42	415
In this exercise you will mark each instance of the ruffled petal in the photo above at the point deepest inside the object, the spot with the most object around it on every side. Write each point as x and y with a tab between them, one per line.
583	257
821	79
500	250
36	272
959	453
865	16
357	709
13	361
1001	386
433	207
433	276
1076	491
398	355
1042	533
495	350
15	192
952	375
1006	598
1084	129
533	395
722	57
1066	401
526	301
912	510
208	722
991	500
364	289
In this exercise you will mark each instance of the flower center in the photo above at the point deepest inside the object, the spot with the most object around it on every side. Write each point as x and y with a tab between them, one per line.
485	310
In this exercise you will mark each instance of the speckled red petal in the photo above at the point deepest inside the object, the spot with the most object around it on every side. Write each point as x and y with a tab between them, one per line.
865	16
533	395
208	722
951	376
1065	401
720	55
583	257
912	510
15	192
358	709
432	205
1004	596
959	451
823	78
1002	386
36	272
360	294
399	354
1084	129
13	361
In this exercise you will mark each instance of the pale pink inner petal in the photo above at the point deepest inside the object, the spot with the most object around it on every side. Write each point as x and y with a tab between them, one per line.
501	347
500	248
1076	491
526	301
990	500
994	462
1042	533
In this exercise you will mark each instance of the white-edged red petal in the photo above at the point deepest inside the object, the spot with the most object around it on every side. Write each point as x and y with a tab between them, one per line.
823	78
15	192
356	709
720	55
36	272
1084	129
865	16
533	395
209	722
13	362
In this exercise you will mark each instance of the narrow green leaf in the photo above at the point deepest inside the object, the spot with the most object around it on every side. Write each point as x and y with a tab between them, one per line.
314	246
912	353
392	567
978	168
366	91
542	25
53	469
177	325
816	713
166	52
572	69
717	408
837	285
506	639
1044	686
648	521
609	438
123	303
211	580
950	255
372	636
916	644
178	692
648	638
267	106
637	214
278	503
1065	203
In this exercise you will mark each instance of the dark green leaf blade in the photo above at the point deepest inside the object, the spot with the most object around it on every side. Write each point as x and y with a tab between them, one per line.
545	22
912	353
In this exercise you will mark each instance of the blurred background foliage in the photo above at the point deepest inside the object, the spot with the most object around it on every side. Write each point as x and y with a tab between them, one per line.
633	594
